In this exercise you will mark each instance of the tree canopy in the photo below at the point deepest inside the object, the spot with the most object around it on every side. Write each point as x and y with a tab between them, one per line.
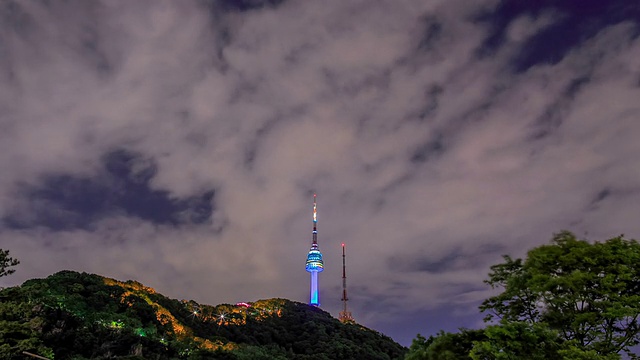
570	299
445	345
588	292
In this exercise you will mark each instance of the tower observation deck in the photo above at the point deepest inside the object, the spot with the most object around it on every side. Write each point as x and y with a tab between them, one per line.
314	259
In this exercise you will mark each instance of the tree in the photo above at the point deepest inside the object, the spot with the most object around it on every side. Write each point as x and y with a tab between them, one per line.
587	293
518	340
6	262
445	345
20	326
534	341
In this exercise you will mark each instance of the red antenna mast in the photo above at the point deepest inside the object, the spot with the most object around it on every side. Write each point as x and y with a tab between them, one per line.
345	315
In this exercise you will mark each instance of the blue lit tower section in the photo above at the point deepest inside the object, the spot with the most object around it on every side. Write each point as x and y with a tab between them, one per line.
314	259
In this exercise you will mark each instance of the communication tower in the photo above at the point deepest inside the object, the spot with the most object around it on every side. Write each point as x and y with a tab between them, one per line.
345	315
314	259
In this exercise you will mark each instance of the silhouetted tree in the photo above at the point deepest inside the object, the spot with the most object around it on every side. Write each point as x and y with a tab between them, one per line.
6	262
586	293
571	299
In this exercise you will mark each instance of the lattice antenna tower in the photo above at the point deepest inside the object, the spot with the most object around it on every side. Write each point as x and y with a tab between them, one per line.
345	315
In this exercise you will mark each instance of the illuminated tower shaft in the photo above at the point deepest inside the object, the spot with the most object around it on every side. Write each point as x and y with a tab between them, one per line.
345	315
314	259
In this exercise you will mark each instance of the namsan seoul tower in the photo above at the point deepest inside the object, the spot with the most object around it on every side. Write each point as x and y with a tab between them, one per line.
314	259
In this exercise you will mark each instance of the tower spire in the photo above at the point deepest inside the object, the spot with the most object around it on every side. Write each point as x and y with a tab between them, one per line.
315	221
345	315
314	259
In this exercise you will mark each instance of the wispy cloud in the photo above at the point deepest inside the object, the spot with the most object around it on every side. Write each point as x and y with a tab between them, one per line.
435	138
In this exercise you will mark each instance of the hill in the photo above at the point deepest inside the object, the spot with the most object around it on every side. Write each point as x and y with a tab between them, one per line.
72	315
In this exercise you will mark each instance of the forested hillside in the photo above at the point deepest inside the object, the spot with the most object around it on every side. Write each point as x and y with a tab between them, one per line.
85	316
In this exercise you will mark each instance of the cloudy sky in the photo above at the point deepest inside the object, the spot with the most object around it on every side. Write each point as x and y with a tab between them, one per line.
179	143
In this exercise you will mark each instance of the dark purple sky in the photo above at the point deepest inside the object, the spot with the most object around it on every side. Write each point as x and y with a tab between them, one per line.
179	143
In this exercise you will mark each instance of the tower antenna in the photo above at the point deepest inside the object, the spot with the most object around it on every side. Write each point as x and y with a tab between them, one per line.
345	315
314	259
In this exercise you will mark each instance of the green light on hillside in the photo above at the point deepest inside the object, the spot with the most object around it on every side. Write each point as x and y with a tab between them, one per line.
116	324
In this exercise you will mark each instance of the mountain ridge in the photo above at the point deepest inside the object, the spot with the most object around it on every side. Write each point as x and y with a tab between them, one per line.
87	316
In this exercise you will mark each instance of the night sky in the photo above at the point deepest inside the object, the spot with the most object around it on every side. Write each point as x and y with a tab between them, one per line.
179	143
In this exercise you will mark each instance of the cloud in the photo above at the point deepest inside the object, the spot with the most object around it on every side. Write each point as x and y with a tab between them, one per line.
526	26
179	144
61	201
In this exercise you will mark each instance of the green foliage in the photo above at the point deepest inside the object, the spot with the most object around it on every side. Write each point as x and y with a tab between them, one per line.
518	340
19	330
72	315
522	340
445	346
570	299
259	353
573	352
306	332
588	293
6	262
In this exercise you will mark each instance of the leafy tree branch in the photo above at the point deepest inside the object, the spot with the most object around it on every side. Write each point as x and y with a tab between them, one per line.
6	262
